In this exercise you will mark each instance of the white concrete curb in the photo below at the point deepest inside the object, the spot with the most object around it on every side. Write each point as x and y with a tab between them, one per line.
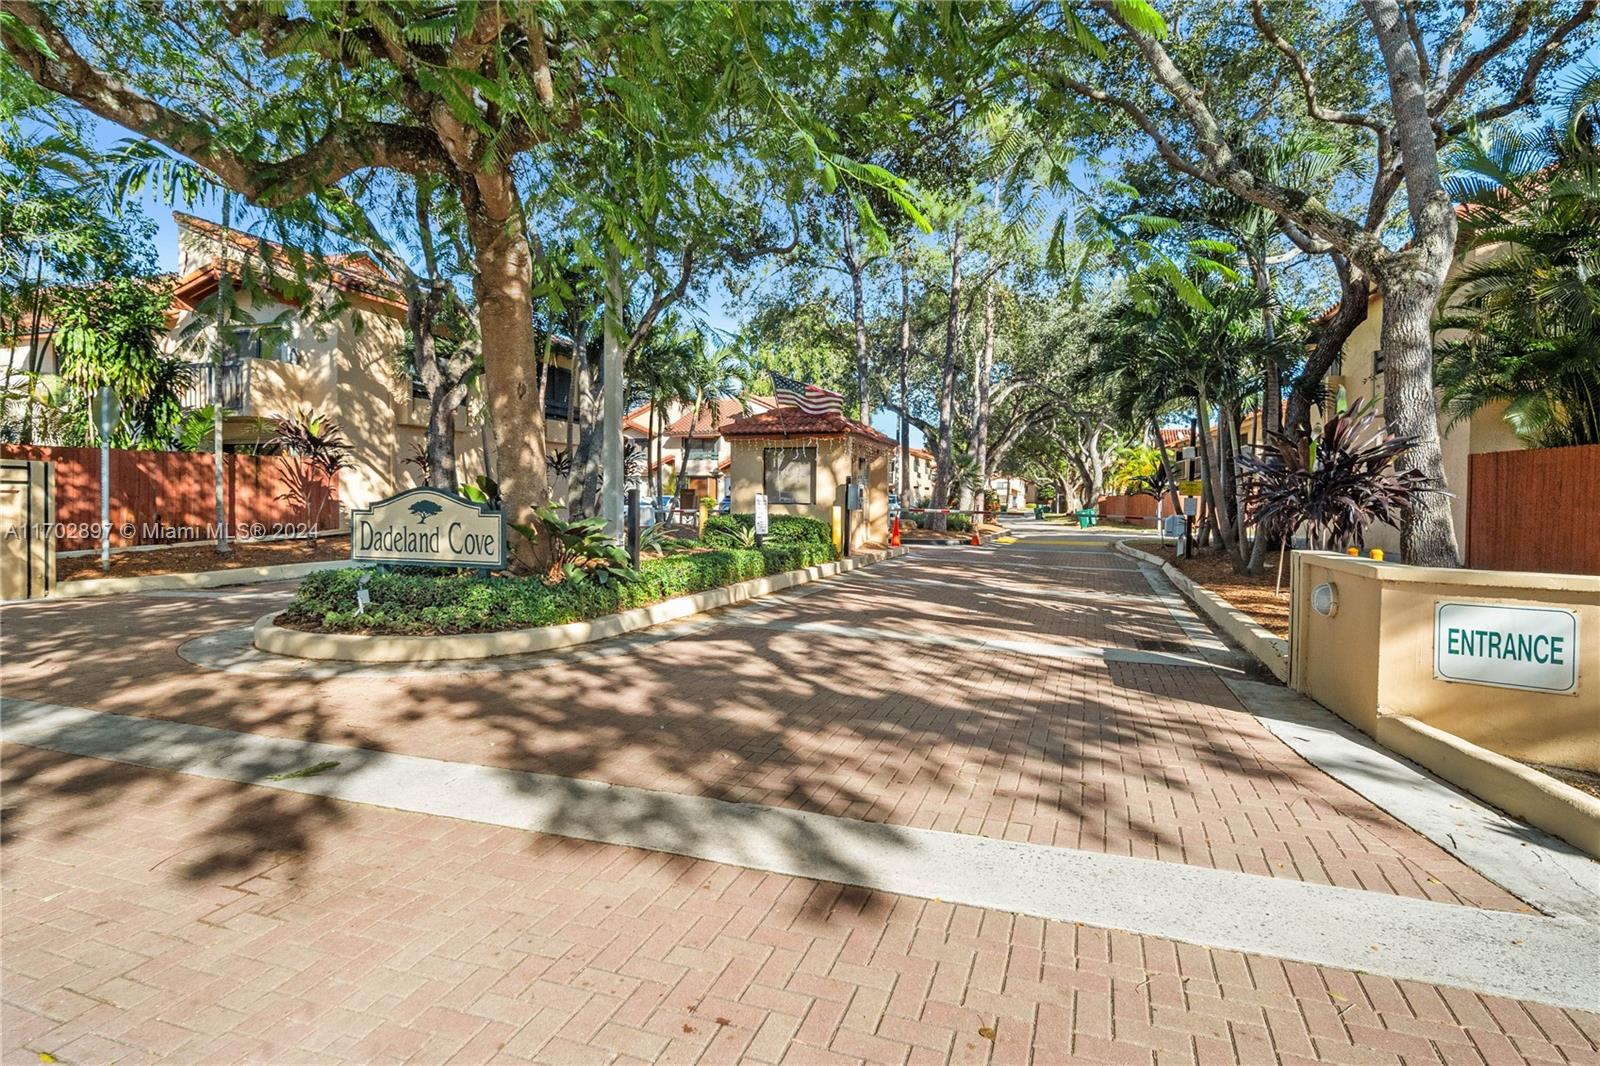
205	579
367	648
1273	651
1521	791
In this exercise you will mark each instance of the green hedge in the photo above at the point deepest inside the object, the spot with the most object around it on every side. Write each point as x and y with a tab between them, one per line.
781	529
433	602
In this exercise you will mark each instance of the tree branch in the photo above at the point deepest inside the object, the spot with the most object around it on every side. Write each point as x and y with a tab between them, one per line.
1524	96
1308	84
342	150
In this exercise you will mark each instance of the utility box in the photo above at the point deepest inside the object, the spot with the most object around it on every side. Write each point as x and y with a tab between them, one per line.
27	529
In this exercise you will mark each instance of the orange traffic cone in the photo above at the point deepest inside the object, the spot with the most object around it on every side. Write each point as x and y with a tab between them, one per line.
894	533
977	541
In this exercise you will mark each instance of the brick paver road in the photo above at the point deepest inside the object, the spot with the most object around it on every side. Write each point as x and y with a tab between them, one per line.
155	916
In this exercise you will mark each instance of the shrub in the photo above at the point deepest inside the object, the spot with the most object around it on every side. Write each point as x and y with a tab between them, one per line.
781	529
421	602
958	523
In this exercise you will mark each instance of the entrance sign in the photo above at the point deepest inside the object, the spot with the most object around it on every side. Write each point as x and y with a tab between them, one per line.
428	527
761	513
1533	648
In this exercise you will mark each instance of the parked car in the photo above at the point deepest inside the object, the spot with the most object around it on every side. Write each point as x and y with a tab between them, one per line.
894	504
725	505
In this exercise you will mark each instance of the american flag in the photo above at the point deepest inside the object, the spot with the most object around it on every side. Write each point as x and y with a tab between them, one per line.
812	399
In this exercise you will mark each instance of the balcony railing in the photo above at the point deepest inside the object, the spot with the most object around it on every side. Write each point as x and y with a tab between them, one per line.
235	381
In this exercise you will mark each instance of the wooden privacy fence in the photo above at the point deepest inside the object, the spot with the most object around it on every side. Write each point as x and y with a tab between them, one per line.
1139	510
1535	510
168	497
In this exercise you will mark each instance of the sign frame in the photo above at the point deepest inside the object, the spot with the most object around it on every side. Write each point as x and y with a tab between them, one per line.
481	510
1440	672
761	518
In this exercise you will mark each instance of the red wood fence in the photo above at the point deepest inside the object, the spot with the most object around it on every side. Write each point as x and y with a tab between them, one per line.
1138	510
1535	510
168	497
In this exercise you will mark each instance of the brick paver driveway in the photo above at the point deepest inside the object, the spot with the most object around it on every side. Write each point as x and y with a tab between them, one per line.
150	915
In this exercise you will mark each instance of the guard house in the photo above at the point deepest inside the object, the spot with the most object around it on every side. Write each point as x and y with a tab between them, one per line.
801	461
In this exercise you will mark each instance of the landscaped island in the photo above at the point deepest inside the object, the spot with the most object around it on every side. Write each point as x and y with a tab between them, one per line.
425	602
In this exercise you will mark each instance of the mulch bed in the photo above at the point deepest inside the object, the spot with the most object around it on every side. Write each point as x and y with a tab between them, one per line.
194	558
1252	595
1578	779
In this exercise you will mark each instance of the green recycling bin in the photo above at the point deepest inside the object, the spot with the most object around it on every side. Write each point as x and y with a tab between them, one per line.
1038	512
1086	518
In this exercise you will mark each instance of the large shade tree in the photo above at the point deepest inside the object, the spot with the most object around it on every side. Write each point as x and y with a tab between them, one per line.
1438	70
282	101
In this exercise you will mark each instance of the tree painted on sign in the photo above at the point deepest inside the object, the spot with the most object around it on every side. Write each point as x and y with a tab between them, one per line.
424	510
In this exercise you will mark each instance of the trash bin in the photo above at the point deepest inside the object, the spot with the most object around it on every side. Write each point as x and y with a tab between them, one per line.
1038	512
1086	519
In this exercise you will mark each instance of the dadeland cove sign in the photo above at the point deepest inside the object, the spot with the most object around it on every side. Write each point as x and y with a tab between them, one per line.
1533	648
428	527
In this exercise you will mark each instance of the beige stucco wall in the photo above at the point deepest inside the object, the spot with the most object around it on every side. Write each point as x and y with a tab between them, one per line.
837	459
1374	657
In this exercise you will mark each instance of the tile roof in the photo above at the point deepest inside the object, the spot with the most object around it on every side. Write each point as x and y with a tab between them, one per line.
793	422
353	272
728	409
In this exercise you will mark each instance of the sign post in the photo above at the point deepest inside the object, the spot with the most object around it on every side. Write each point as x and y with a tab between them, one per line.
761	519
429	527
849	498
633	527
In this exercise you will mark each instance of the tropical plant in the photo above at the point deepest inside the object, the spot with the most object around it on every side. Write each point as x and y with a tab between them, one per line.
1335	486
579	551
312	452
1527	306
483	490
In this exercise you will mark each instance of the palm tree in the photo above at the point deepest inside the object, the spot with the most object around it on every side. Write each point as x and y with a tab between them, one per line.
1529	312
1168	349
709	378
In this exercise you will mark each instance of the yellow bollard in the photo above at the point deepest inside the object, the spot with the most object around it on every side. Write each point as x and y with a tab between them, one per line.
1376	554
838	528
1352	551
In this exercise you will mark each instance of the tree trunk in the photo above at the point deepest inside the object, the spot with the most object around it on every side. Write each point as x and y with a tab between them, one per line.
611	401
422	309
857	268
505	324
224	298
1350	313
942	468
980	391
1208	467
1427	534
1411	281
905	360
1167	468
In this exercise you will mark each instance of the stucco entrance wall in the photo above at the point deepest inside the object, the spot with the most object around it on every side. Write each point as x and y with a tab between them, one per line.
1373	658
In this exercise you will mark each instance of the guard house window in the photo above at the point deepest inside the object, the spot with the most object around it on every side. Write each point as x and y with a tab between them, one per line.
790	475
1377	363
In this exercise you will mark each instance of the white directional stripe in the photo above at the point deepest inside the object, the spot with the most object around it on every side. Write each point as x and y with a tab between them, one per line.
1037	648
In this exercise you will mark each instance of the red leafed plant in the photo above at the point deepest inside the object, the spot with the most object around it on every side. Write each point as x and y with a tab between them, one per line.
1334	486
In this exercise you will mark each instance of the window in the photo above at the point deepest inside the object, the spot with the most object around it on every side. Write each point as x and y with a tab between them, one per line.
1377	363
790	475
557	392
705	448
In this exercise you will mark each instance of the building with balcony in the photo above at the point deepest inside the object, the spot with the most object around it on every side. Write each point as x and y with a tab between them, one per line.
322	334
